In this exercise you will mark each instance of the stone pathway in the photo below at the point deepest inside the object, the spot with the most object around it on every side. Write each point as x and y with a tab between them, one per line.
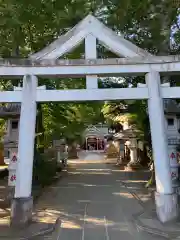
92	203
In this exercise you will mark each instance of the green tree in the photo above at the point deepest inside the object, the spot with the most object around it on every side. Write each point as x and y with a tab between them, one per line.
28	26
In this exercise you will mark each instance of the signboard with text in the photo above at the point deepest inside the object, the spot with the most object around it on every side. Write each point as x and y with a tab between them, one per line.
12	178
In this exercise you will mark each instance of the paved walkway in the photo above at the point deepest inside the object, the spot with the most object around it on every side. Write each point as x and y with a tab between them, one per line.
92	203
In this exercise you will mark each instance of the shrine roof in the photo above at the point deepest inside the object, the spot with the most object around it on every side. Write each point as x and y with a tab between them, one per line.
10	110
92	130
171	106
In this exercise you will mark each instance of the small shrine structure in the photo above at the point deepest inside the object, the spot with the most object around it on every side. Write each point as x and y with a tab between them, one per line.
95	137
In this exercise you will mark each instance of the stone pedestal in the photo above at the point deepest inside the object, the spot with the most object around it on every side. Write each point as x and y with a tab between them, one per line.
121	157
133	166
72	152
121	162
21	212
166	207
111	151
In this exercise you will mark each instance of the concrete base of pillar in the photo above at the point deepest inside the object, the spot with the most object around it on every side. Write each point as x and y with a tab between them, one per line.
167	207
121	164
21	211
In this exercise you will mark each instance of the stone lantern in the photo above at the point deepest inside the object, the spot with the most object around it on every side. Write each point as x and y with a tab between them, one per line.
128	138
133	134
120	139
111	149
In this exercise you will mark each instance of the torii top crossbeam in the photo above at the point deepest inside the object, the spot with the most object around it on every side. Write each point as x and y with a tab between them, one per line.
133	61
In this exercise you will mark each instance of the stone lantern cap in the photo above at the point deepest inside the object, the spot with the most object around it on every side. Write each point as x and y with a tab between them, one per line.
171	107
132	132
109	137
119	136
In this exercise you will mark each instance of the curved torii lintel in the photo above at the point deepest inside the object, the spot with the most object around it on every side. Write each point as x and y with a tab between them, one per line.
90	25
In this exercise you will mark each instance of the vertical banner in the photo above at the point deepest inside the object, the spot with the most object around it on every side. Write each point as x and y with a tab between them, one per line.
12	170
173	164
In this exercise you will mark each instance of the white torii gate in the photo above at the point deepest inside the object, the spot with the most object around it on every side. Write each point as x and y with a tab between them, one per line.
133	61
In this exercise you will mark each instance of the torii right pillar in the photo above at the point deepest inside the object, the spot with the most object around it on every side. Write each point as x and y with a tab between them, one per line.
166	200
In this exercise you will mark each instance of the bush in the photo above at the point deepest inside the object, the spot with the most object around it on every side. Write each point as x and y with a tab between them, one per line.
44	169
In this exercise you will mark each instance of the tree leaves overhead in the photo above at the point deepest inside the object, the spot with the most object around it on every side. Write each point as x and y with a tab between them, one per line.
28	26
32	24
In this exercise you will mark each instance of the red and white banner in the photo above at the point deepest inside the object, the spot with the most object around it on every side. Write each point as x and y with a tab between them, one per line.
12	178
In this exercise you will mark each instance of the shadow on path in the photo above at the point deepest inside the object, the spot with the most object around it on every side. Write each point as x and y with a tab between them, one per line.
93	202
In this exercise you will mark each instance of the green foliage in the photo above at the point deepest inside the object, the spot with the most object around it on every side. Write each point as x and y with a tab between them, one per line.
2	129
45	169
133	111
69	120
28	26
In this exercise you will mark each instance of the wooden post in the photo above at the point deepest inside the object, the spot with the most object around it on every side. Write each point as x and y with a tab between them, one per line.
91	53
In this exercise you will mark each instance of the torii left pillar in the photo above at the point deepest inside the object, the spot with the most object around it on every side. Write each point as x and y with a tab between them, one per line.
22	204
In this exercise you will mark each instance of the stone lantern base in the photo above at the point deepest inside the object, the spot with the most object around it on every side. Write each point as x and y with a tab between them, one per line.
121	163
133	166
72	153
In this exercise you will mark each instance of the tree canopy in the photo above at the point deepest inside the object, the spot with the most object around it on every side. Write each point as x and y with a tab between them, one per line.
28	26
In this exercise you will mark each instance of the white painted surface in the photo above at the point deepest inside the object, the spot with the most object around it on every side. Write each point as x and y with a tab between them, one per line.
13	159
91	53
86	69
170	92
43	87
166	207
12	167
79	95
91	94
67	46
97	94
12	178
10	96
172	154
90	25
158	134
26	138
